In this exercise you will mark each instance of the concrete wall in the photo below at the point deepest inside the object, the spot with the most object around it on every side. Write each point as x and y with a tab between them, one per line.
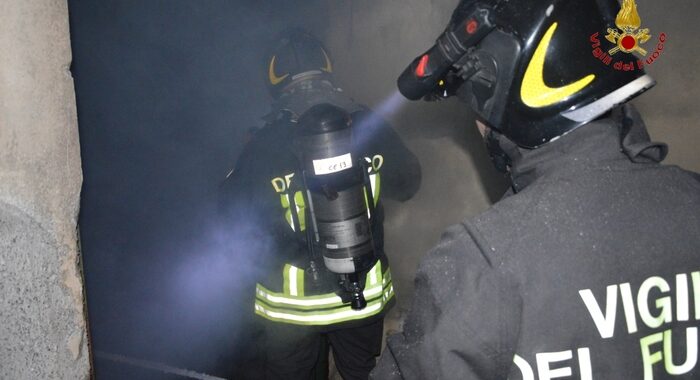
43	329
372	41
672	109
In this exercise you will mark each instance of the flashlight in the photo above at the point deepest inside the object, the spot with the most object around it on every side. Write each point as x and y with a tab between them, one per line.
424	75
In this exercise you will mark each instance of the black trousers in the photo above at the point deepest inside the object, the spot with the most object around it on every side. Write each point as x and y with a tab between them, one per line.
301	353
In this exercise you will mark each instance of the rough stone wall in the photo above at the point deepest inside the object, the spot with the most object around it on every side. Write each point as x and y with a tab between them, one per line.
43	329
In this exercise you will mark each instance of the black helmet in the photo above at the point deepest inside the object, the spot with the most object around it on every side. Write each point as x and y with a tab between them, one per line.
526	67
297	55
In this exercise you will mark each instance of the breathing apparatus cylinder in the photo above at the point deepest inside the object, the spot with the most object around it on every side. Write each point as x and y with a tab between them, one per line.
340	198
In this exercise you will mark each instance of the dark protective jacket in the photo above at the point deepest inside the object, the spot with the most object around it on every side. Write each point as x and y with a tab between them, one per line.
591	271
256	204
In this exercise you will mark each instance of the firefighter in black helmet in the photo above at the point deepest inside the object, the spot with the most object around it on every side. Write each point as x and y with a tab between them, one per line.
588	268
316	289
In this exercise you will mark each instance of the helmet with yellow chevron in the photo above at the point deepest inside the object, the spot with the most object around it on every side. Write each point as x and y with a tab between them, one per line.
525	67
295	57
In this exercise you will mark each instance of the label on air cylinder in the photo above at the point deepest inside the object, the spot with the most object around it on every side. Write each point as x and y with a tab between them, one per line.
333	164
345	234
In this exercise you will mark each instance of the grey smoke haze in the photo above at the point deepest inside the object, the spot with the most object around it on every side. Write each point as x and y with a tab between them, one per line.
166	91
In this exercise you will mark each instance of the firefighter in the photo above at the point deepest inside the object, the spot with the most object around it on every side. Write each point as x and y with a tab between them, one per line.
299	302
589	268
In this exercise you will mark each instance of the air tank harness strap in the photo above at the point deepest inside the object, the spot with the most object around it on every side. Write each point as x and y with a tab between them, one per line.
374	165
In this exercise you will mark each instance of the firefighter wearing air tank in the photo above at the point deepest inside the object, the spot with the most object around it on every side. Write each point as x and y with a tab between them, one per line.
589	267
307	192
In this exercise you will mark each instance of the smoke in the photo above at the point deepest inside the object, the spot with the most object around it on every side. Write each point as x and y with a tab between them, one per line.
383	111
166	92
216	271
391	105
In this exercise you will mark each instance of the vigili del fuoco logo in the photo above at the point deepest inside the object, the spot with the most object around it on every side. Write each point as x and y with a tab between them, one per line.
627	38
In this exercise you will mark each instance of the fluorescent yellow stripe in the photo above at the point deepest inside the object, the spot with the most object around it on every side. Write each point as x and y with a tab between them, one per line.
275	298
333	300
274	79
386	277
293	290
533	91
373	275
377	188
284	199
324	317
285	274
300	282
374	184
329	67
321	319
300	207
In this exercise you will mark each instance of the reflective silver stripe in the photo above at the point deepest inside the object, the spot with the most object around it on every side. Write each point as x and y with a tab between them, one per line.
325	317
296	301
321	318
613	99
293	281
373	184
279	299
294	296
372	291
373	275
298	209
291	217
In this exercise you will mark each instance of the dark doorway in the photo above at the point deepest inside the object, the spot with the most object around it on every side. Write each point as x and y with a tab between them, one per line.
166	91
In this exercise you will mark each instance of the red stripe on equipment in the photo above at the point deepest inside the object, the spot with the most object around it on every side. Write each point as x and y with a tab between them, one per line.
422	64
471	26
